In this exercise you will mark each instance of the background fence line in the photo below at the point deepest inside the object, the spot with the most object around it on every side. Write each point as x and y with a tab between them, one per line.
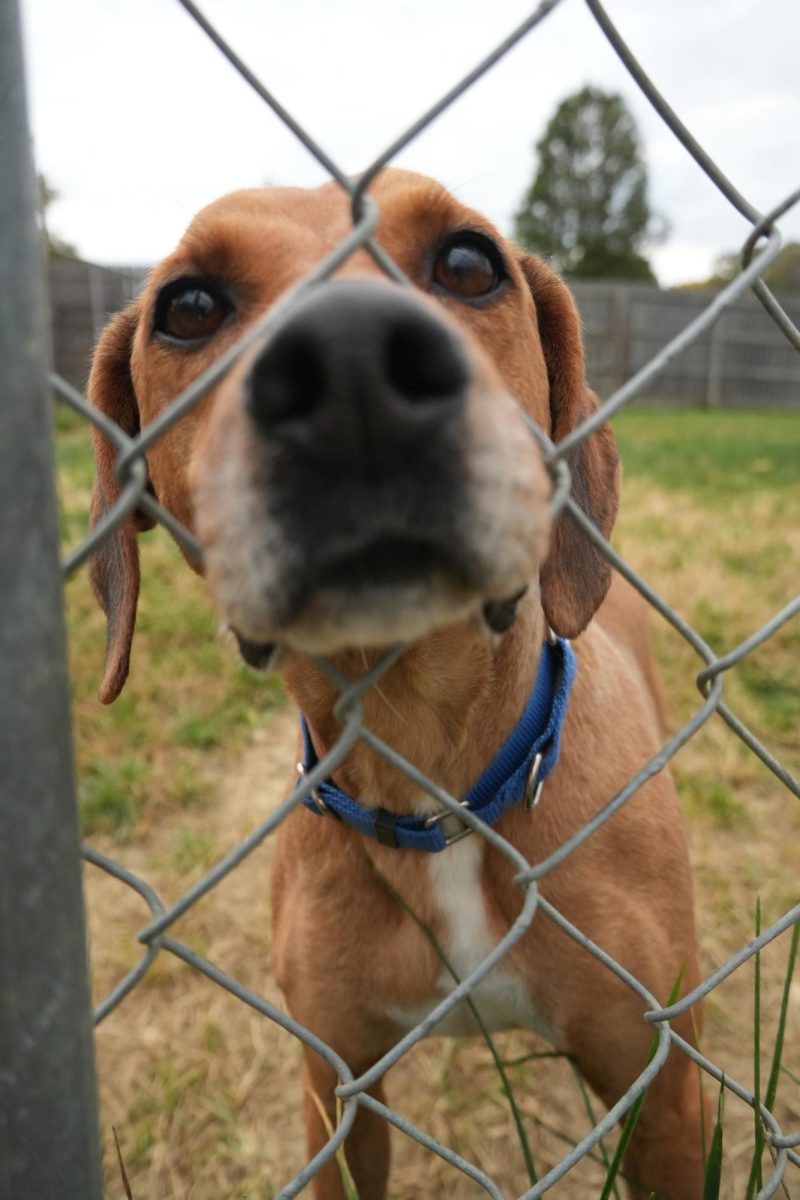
742	362
157	938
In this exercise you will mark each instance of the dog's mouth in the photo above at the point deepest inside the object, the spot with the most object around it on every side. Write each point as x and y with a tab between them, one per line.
259	655
388	562
384	593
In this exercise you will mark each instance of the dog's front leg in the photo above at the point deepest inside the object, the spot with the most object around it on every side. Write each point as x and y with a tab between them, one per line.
665	1155
367	1146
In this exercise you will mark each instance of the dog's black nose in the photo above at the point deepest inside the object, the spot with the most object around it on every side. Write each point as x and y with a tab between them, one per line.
359	371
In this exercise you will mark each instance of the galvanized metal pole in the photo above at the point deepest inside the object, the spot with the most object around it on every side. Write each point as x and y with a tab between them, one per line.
716	365
49	1144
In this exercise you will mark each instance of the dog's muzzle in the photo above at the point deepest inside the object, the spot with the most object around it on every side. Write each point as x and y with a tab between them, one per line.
359	400
354	516
358	377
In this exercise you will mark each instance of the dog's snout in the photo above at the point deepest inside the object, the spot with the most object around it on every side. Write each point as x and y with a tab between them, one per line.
356	368
422	359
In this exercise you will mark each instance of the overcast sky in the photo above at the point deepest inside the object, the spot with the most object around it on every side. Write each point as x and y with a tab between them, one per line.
138	121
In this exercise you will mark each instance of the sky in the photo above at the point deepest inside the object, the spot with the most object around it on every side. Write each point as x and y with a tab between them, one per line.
138	121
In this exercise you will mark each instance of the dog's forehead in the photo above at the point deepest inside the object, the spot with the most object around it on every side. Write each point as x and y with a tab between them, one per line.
417	210
260	243
306	224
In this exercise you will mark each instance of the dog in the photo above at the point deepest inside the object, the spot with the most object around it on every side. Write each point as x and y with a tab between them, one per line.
363	478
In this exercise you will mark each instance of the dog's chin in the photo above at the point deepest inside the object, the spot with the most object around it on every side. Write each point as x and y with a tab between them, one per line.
334	620
375	614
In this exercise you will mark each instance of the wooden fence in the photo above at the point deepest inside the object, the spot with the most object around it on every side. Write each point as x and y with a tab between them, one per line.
82	298
743	362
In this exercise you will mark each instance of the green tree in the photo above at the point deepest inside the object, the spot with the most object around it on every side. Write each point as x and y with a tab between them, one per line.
782	275
46	195
587	208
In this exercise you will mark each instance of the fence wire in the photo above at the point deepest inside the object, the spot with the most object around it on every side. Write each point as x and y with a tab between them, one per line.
759	250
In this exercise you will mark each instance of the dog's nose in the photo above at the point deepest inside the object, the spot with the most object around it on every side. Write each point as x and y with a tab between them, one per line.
358	371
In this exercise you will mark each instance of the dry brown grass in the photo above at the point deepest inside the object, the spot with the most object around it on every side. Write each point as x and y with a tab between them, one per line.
204	1093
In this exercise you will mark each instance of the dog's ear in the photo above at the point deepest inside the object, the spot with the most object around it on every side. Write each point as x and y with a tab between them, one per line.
114	569
575	576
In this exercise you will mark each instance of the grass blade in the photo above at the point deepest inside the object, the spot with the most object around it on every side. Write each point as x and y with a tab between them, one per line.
487	1037
626	1135
348	1183
755	1179
775	1070
712	1178
120	1160
633	1112
587	1104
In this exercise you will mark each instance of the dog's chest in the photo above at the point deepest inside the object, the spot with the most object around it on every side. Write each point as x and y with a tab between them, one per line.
502	998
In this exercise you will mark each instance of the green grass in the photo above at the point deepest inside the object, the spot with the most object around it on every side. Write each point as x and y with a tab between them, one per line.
194	848
112	795
777	694
711	515
702	791
715	455
189	700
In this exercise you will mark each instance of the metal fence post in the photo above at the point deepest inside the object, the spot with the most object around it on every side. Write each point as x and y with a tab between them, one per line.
622	334
48	1106
716	365
96	299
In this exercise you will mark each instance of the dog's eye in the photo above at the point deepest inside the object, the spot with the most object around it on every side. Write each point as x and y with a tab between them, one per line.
190	310
469	266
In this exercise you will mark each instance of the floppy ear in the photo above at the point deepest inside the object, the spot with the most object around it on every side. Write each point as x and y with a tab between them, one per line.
114	568
575	576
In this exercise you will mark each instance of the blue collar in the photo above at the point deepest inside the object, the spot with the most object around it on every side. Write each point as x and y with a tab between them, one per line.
520	768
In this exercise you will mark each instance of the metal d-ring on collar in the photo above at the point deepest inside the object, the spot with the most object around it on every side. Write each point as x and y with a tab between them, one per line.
530	799
533	788
314	795
516	773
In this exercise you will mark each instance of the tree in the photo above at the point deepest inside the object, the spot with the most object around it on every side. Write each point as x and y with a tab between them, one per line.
782	275
587	208
46	195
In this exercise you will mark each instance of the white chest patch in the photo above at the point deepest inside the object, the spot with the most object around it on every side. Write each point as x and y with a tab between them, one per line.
501	997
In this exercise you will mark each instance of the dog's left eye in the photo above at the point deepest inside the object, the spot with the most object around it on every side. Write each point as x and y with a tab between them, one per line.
190	310
470	266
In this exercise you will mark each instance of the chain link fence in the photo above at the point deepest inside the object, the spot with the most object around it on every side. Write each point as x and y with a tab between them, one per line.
33	961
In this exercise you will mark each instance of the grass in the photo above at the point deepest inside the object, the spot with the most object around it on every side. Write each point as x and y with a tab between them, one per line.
204	1093
716	456
188	704
111	795
712	518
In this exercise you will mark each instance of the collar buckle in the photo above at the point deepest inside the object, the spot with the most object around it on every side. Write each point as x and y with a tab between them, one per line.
523	763
457	833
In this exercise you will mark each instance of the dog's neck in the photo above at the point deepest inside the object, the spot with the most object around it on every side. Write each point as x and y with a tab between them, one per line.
447	705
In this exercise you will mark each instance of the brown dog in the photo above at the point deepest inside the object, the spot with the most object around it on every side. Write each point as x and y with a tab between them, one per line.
366	478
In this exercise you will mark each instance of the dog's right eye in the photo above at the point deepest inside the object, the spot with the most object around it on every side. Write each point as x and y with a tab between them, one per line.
190	310
469	266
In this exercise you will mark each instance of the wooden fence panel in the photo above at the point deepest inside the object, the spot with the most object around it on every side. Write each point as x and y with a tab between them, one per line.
743	362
